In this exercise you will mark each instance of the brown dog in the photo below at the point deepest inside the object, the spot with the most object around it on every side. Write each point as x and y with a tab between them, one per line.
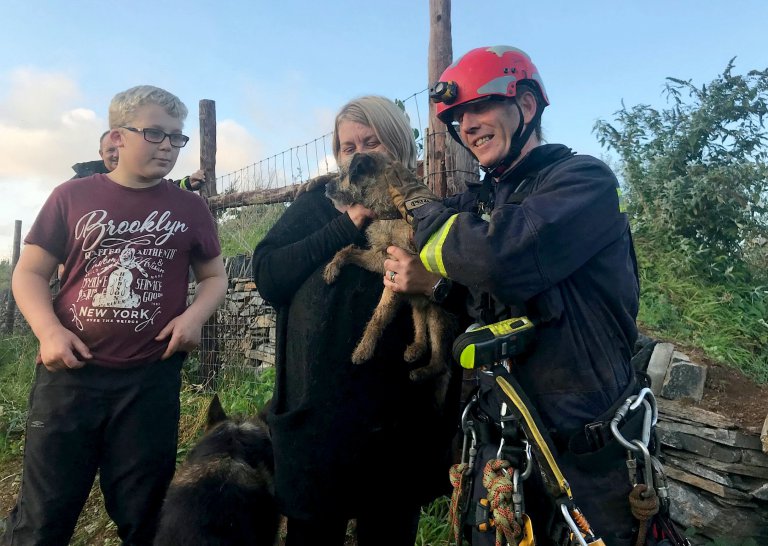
365	181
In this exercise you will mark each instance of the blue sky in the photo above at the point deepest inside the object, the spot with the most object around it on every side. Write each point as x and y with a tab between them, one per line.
278	71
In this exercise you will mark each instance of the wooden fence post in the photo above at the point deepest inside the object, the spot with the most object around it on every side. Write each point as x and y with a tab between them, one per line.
440	54
448	165
208	145
210	356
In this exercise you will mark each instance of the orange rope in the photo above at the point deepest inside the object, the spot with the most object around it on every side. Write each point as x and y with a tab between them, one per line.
457	475
500	490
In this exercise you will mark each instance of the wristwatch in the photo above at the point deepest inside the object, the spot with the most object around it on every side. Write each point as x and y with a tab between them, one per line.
440	290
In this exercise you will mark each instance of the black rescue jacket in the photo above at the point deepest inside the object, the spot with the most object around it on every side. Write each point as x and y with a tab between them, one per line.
554	244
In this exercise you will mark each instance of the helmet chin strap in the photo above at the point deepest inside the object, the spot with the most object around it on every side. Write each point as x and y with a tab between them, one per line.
519	138
518	141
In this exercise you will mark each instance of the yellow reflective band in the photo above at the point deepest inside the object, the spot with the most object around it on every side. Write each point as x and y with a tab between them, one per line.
622	203
432	253
537	437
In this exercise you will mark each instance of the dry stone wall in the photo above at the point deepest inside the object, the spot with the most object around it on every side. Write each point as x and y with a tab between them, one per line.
717	470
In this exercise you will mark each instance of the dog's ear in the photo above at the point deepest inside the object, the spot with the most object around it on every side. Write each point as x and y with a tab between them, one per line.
216	413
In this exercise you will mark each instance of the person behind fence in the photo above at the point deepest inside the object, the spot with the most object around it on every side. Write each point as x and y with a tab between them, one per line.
106	391
347	438
110	154
543	236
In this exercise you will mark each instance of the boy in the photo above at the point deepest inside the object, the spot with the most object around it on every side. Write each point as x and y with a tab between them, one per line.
106	396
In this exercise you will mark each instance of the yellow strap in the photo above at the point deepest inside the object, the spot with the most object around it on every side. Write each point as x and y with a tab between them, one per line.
432	253
532	429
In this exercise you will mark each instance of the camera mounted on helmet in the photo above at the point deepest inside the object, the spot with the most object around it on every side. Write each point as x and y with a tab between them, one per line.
444	92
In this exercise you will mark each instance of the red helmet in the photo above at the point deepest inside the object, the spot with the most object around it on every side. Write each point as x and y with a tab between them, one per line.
484	72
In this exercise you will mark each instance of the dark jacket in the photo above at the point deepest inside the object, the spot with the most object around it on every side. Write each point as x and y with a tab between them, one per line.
89	168
556	247
340	430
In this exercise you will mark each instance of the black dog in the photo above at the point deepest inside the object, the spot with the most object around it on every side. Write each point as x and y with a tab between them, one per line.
223	494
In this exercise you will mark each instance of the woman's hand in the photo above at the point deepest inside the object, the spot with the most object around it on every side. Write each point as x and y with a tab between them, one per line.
360	215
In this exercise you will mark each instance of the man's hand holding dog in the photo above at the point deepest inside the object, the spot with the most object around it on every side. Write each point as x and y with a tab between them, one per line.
408	195
404	273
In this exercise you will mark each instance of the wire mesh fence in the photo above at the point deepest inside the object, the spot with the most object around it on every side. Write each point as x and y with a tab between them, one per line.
300	163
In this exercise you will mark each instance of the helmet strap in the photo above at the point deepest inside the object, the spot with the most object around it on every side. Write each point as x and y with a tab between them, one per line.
518	141
516	145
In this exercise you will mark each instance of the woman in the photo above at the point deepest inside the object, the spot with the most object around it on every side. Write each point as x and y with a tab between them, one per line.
351	441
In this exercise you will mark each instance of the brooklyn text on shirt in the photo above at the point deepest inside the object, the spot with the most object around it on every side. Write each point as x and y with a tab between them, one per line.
93	227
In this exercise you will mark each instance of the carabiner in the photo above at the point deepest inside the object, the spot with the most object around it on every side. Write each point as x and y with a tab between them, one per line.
649	420
572	524
647	467
646	392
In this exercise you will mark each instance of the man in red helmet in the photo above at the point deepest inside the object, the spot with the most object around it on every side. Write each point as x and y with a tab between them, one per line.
544	235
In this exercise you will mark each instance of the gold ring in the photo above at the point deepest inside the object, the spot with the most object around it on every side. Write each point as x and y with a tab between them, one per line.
392	276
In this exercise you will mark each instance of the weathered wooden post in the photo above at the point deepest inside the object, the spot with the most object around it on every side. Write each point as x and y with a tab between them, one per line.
448	165
210	357
10	311
208	145
440	54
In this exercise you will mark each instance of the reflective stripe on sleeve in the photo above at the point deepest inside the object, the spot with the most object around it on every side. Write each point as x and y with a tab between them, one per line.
432	253
622	202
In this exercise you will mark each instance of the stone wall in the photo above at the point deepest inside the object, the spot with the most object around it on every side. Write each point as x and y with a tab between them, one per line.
717	470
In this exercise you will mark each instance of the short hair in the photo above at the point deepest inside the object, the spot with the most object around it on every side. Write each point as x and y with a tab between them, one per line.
388	121
101	138
124	105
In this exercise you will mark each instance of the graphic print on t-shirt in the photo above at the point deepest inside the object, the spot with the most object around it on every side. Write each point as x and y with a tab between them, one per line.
118	291
125	264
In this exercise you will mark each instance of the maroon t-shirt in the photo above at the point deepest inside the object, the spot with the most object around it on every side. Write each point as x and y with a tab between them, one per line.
126	255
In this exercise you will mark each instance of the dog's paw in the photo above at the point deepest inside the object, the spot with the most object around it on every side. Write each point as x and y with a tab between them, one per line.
433	369
415	351
331	273
362	353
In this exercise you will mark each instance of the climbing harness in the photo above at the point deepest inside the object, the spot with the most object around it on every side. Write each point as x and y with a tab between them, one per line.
522	441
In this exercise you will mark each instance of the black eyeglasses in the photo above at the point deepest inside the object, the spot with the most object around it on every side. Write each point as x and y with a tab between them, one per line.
156	136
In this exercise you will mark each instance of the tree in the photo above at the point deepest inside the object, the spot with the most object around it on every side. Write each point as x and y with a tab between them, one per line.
696	171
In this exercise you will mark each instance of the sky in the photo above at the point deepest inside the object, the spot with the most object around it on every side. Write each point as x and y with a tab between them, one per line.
278	71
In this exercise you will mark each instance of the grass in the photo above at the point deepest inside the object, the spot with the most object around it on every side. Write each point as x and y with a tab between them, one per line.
726	321
17	367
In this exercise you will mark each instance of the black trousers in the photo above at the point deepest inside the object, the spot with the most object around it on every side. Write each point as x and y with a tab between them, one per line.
121	423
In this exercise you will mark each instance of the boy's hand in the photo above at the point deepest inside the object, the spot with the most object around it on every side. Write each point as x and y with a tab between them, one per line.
184	332
62	349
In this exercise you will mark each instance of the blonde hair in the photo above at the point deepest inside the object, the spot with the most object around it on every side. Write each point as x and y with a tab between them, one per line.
124	105
388	122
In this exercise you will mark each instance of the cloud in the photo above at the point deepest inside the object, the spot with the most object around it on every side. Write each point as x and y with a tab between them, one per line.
44	130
